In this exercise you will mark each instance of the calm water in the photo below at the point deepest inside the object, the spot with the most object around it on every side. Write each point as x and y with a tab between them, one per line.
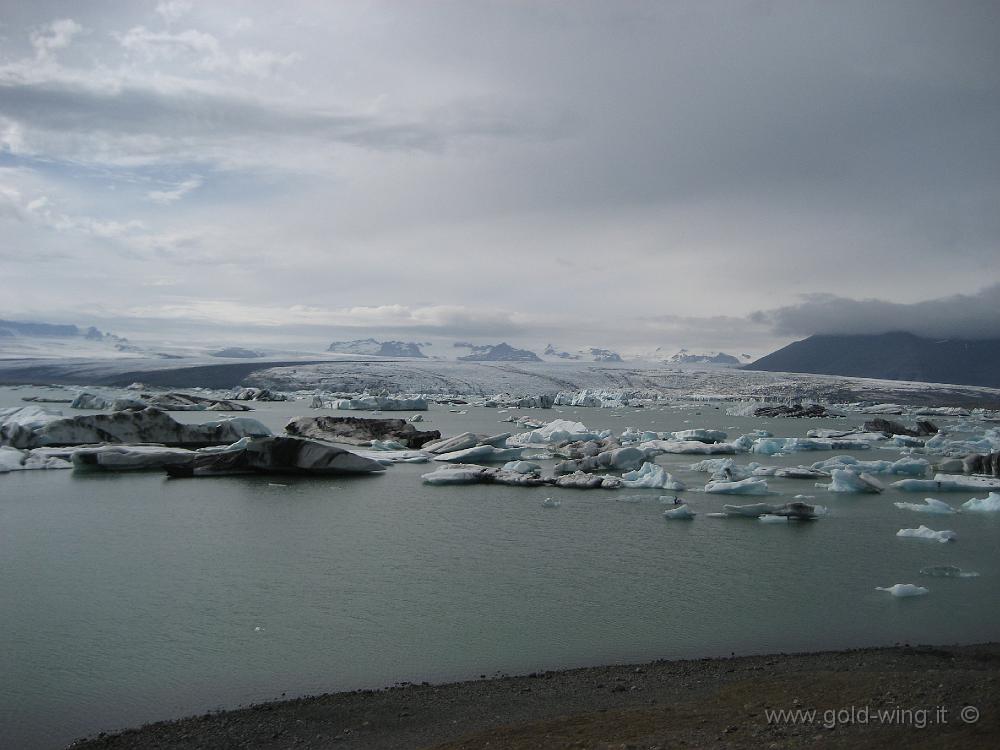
131	598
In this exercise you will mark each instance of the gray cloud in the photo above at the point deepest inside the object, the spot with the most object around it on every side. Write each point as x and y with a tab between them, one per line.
967	316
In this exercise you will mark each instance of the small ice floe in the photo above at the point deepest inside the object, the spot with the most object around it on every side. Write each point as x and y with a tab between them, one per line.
768	518
801	472
551	503
416	418
805	497
847	481
749	486
481	453
988	504
947	571
716	515
930	505
12	459
903	589
681	512
923	532
522	467
276	484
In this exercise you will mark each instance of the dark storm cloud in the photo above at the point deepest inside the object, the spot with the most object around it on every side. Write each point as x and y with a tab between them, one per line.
967	316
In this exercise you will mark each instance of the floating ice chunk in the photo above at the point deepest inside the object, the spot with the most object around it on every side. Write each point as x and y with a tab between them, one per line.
682	512
486	453
522	467
380	403
86	400
743	487
702	436
387	445
847	481
947	483
581	480
12	459
551	503
652	476
988	504
416	418
387	458
916	467
925	533
768	518
930	505
652	447
455	475
800	472
716	515
903	589
947	571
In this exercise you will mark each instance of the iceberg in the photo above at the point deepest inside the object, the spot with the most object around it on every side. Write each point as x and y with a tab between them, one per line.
988	504
653	447
556	432
147	426
13	459
769	518
653	477
742	487
681	512
701	436
550	503
617	458
800	472
486	453
380	403
925	533
275	455
522	467
903	589
86	400
129	457
361	431
947	483
581	480
930	505
847	481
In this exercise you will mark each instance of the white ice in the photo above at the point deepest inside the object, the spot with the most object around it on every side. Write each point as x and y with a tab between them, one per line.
988	504
653	477
925	533
681	512
903	589
743	487
930	505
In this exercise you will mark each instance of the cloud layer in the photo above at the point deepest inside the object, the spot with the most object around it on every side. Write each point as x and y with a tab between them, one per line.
645	172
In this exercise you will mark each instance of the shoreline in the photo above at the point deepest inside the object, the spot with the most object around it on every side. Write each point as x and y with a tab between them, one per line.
915	696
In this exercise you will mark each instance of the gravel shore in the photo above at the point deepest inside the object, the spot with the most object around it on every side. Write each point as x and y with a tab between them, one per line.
920	697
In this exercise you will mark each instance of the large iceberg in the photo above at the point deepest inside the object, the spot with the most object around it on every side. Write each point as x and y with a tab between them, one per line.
847	481
923	532
907	466
13	459
380	403
360	431
930	505
988	504
275	455
487	453
653	477
947	483
749	486
652	447
25	430
558	431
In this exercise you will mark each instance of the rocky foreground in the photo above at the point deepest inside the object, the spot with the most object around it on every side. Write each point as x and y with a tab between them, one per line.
917	697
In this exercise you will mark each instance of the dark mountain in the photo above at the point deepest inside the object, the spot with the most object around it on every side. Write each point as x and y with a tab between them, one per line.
891	356
500	353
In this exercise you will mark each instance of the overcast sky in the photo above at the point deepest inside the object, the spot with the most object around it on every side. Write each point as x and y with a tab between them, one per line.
625	174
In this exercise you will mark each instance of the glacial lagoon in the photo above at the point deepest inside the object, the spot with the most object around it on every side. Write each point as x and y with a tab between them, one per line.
128	598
